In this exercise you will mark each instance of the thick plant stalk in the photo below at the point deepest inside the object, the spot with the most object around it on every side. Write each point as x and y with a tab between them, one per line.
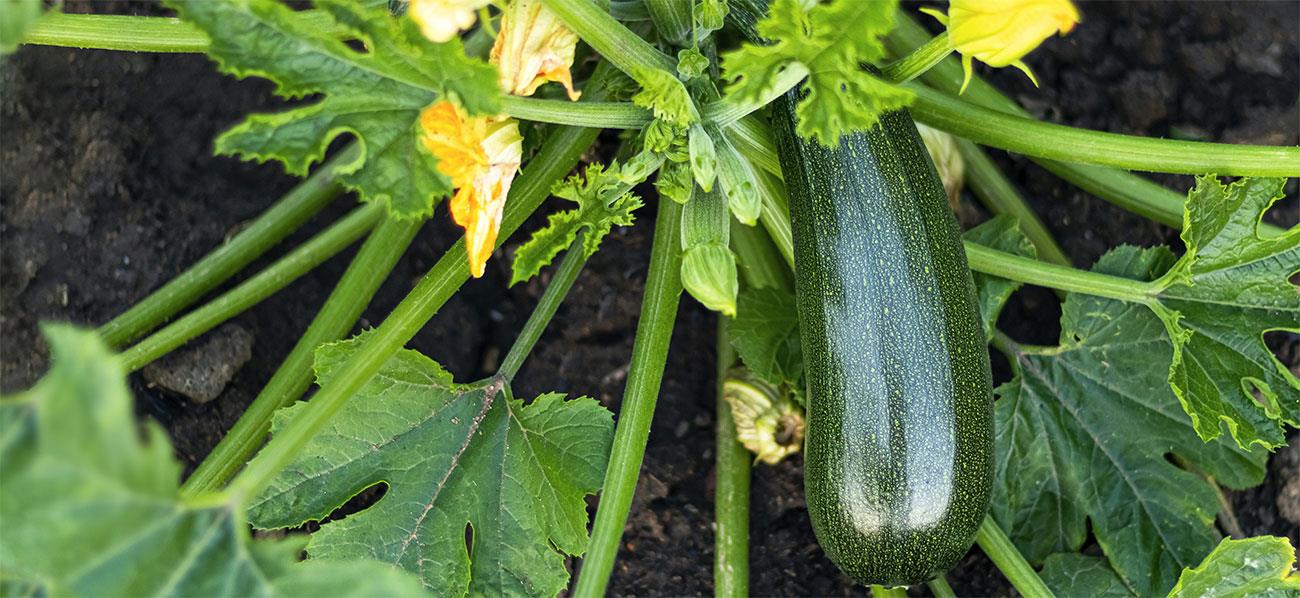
663	288
1122	188
940	588
1009	561
1063	143
289	213
133	34
385	245
252	291
731	493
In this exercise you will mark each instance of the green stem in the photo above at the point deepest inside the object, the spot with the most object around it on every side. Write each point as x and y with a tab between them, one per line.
672	19
1122	188
1060	142
289	213
252	291
559	153
1031	271
1000	197
602	115
556	290
137	34
940	589
761	263
729	109
919	60
1003	553
731	494
884	592
663	288
376	258
615	42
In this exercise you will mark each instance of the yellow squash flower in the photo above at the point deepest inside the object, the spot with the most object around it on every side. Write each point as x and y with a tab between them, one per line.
481	156
1001	32
441	20
534	47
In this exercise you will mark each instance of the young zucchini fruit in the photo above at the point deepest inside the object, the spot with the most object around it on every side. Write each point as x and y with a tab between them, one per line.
899	445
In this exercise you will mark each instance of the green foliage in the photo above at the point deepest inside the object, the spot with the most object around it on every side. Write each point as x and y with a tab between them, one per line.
1083	431
1254	567
604	199
457	459
832	40
91	503
765	334
1229	288
1073	574
1001	233
16	17
375	95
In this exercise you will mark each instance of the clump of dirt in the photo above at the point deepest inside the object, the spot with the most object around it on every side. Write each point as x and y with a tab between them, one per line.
109	189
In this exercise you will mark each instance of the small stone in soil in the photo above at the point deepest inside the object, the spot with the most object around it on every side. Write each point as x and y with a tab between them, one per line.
200	371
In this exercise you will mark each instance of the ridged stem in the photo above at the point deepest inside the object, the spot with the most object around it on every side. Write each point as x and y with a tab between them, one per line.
252	291
654	330
919	61
271	227
940	589
997	193
731	493
371	266
1009	561
556	290
615	42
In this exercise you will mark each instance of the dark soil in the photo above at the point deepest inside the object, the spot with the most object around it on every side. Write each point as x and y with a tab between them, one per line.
110	189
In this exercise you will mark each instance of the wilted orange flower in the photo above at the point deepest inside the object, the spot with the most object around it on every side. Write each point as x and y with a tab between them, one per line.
481	156
534	47
1001	32
441	20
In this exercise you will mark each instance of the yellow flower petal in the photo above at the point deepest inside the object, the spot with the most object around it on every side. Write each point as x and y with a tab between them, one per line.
1001	32
441	20
534	47
481	156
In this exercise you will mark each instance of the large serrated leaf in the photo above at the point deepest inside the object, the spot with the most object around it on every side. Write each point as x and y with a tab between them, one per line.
90	508
375	94
460	462
1229	288
1084	430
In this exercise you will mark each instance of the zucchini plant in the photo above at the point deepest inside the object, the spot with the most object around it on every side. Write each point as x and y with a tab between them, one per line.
792	195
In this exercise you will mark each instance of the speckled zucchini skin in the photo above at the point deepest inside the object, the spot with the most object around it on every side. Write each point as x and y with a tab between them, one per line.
899	445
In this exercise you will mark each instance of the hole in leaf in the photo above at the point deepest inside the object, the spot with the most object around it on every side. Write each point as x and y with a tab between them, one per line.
1285	347
362	501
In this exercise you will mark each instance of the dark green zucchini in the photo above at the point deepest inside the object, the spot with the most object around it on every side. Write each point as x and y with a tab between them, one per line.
898	452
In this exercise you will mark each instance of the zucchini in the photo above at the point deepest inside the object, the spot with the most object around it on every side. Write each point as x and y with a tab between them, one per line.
899	450
899	441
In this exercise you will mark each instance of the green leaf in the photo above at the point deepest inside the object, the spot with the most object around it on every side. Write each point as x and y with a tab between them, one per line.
604	199
16	17
1001	233
464	465
1071	574
765	334
375	94
1083	432
1254	567
91	503
832	40
1229	288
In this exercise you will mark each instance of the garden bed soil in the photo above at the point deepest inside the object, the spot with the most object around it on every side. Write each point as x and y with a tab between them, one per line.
110	189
